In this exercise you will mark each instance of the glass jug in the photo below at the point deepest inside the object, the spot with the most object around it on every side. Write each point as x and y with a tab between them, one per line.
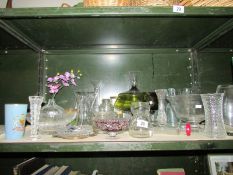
83	123
140	126
227	106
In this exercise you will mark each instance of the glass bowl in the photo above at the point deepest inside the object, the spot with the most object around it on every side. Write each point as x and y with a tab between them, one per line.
111	125
188	108
48	125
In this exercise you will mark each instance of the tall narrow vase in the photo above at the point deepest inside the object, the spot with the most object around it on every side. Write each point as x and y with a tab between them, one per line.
162	116
35	106
214	125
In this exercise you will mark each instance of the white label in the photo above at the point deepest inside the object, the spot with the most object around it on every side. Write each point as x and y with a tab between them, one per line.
142	123
198	106
178	9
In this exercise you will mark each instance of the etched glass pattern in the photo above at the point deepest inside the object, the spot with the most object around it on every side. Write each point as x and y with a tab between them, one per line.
35	106
214	125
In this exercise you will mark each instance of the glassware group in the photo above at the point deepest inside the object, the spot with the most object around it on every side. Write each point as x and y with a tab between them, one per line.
175	111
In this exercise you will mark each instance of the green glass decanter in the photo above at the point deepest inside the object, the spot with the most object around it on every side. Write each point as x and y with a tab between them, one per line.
124	99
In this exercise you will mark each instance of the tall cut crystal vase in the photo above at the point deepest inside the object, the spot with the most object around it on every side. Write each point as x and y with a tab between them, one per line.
35	106
214	125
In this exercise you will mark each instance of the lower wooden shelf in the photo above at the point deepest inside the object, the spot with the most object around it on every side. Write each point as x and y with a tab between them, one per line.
123	142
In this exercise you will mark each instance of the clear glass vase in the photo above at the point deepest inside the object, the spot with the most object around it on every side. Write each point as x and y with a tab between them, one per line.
172	121
140	126
51	118
214	125
227	106
162	116
35	107
83	122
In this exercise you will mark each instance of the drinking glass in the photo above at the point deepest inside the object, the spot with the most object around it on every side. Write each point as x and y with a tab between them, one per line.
35	107
214	125
15	116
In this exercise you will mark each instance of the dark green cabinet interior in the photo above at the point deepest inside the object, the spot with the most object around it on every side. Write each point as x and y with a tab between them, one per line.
193	49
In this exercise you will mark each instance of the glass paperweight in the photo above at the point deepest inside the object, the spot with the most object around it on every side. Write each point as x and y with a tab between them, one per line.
140	126
52	117
124	99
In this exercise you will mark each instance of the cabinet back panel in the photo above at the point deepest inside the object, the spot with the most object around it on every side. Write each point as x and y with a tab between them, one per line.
157	71
214	69
19	78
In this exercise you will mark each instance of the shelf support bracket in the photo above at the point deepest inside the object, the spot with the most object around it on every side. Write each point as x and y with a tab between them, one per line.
20	36
195	82
213	36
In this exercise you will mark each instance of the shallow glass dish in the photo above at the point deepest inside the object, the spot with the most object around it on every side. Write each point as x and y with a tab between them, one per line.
74	132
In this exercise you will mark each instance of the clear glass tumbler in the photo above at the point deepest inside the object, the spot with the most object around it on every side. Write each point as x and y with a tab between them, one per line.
35	107
214	125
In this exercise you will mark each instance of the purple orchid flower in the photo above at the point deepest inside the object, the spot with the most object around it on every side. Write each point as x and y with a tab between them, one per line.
67	75
62	80
65	83
54	88
50	79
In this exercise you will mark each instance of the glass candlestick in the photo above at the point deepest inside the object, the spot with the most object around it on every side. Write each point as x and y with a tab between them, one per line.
35	106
